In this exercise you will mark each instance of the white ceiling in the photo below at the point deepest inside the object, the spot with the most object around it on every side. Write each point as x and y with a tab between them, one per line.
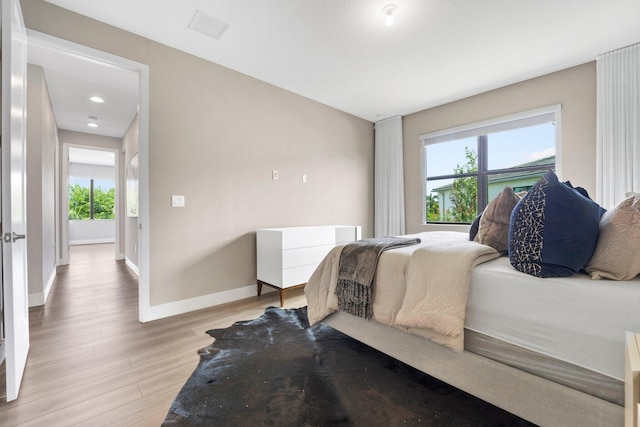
341	53
91	156
72	80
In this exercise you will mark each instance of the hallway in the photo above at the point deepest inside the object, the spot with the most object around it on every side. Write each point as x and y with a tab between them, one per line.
92	363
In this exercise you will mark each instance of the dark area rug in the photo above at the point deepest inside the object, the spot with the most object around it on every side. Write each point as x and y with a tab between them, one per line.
278	371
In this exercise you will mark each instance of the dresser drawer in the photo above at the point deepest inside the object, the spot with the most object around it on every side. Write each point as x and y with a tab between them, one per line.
297	275
304	256
300	237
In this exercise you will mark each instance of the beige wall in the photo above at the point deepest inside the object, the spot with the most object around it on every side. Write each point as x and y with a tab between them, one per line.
574	88
215	135
130	229
41	146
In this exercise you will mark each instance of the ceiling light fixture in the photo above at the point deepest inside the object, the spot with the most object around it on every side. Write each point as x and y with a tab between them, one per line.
92	123
388	12
97	99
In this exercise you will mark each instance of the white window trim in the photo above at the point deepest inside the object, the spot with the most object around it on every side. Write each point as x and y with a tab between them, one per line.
511	121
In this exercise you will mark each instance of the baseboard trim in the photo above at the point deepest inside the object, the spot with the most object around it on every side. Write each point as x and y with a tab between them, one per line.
49	285
161	311
92	241
36	300
132	266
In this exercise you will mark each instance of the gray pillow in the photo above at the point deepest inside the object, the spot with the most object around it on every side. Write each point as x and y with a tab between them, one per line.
494	223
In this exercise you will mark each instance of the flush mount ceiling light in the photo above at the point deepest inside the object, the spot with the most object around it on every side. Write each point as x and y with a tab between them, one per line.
92	123
388	13
97	99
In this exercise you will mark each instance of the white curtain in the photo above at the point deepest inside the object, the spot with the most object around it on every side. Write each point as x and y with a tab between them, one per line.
389	178
618	125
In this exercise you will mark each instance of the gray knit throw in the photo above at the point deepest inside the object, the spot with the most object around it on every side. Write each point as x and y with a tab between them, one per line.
356	273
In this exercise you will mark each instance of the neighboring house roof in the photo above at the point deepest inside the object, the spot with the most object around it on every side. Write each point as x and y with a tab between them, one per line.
511	176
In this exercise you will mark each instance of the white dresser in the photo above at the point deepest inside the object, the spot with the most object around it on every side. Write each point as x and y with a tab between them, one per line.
286	257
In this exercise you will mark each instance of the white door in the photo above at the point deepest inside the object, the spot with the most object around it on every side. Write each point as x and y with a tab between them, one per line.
13	198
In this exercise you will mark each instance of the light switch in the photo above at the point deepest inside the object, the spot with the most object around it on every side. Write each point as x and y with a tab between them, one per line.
304	178
177	201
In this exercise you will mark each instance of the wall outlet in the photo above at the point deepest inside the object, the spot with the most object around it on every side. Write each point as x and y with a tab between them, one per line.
274	175
177	201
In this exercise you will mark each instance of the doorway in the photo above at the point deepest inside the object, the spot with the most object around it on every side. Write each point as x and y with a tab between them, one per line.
92	200
58	50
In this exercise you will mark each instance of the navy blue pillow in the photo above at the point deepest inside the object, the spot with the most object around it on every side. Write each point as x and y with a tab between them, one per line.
553	230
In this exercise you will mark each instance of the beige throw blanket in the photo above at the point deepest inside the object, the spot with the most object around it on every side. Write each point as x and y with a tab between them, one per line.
356	273
420	289
438	282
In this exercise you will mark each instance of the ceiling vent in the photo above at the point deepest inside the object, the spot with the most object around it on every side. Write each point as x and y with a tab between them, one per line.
208	24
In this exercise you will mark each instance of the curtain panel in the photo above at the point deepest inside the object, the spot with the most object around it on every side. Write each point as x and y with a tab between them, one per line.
389	178
618	125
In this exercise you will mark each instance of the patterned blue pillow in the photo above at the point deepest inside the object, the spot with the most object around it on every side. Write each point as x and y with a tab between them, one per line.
553	230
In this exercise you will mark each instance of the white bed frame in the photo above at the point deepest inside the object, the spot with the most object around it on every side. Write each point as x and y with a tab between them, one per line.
535	399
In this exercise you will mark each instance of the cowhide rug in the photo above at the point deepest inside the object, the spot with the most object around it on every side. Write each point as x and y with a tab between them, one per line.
278	371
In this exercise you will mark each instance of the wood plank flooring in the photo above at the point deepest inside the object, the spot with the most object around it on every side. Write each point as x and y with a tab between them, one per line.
91	362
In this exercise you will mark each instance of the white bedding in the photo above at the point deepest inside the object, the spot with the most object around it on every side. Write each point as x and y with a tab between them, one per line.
421	288
575	319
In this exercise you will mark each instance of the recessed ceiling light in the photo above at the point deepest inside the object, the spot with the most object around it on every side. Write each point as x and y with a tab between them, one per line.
92	125
97	99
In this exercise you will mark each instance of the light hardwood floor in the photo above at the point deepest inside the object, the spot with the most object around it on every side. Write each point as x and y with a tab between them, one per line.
91	362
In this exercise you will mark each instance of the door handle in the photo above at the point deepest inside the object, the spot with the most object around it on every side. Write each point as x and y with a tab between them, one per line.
12	237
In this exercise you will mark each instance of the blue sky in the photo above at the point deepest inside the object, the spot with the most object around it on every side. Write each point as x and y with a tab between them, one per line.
506	149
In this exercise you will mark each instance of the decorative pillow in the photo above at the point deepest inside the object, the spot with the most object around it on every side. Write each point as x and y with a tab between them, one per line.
554	229
473	231
617	254
494	224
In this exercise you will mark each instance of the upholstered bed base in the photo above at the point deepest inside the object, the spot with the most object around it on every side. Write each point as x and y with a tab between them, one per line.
535	399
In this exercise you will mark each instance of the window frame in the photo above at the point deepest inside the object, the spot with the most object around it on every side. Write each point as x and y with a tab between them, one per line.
551	113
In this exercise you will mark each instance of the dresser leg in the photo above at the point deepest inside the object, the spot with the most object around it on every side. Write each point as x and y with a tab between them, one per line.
281	298
259	287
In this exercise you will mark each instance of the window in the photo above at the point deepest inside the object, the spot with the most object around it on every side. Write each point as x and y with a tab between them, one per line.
91	199
466	167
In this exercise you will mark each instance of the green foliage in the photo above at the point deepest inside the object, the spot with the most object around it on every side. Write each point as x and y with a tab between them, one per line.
433	208
80	203
103	203
465	190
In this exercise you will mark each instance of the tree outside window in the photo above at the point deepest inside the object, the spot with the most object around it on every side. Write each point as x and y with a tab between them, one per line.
464	192
91	199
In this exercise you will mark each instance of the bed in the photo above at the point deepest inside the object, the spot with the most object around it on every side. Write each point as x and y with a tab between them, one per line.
548	350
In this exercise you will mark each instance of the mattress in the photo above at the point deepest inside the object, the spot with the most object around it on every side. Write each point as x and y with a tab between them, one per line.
573	319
